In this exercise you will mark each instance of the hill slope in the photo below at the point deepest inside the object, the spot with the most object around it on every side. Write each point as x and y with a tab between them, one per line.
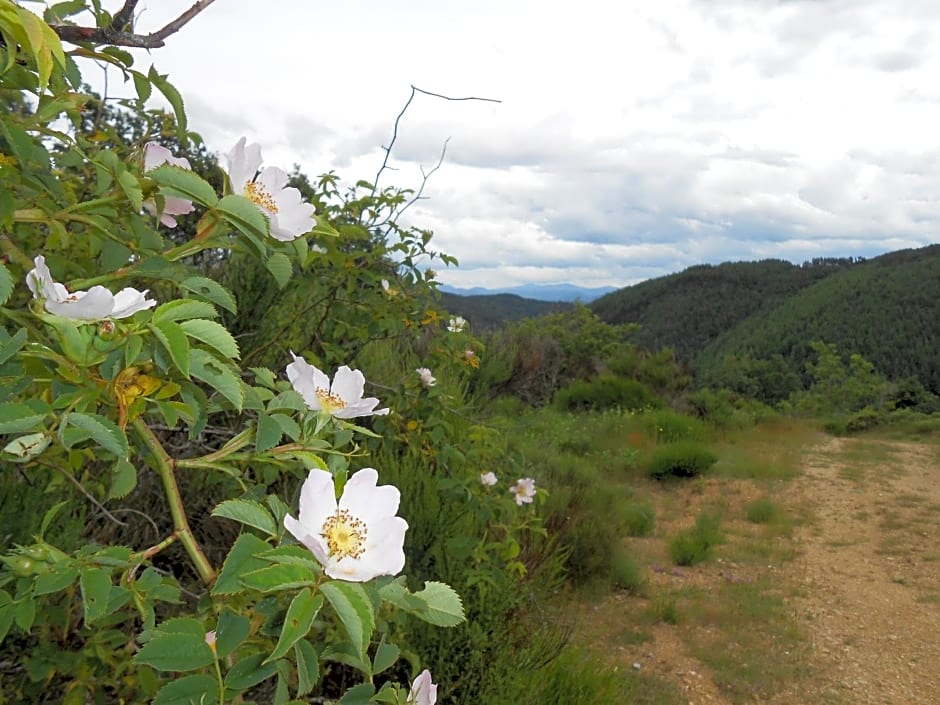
491	311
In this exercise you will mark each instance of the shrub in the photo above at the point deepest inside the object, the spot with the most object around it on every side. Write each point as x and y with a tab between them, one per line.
668	426
639	518
680	460
605	391
625	572
694	545
762	511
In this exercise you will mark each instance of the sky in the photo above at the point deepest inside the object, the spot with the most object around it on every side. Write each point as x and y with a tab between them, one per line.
631	140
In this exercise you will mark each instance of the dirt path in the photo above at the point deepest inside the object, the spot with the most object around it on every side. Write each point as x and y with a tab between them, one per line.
870	569
862	588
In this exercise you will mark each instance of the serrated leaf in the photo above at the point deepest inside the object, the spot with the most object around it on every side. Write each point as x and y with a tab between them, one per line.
54	581
289	427
7	609
221	377
293	554
308	666
212	334
243	215
302	611
16	417
184	183
189	690
354	609
212	291
13	345
142	85
358	695
101	430
96	589
131	188
174	98
6	285
385	656
181	309
231	631
25	613
280	267
268	433
246	511
181	625
123	479
174	340
248	672
243	558
443	607
278	577
175	652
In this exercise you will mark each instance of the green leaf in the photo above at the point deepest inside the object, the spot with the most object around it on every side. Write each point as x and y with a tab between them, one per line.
221	377
13	345
50	515
212	334
289	427
123	479
300	615
96	589
278	577
181	309
184	183
280	267
16	417
6	285
180	625
102	431
210	290
443	607
175	652
354	609
243	215
308	666
25	614
174	98
54	580
189	690
142	85
173	339
131	188
294	555
248	672
358	695
231	631
248	512
243	558
7	612
385	656
268	433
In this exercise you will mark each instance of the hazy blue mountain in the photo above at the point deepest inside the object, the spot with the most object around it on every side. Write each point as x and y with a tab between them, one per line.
539	292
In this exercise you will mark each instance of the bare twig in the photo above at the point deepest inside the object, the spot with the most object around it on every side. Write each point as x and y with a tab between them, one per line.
391	144
81	488
115	35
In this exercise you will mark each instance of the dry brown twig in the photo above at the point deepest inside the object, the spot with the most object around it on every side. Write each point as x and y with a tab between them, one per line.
115	33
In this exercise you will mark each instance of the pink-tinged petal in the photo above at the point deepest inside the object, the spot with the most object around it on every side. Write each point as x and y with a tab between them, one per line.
348	384
384	554
362	407
129	301
243	163
177	206
168	220
423	691
312	542
273	178
155	155
91	305
366	501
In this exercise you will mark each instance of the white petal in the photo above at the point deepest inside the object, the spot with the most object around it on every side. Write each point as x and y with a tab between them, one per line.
305	379
366	501
317	500
41	284
243	163
312	541
129	301
92	305
348	384
384	553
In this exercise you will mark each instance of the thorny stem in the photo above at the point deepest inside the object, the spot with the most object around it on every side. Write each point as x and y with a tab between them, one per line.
164	465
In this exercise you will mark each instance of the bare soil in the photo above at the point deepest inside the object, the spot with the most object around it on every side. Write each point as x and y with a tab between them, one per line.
859	578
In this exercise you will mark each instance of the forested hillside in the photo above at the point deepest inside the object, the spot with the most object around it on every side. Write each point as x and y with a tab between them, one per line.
491	311
688	310
885	309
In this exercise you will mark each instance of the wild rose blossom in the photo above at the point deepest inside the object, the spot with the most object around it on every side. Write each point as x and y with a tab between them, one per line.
488	478
156	155
357	538
524	490
288	215
423	691
456	324
427	379
343	398
96	304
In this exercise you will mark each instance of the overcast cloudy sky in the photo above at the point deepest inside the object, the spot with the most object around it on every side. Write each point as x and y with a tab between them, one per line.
633	139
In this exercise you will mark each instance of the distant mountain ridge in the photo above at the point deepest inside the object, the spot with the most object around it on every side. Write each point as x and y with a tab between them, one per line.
538	292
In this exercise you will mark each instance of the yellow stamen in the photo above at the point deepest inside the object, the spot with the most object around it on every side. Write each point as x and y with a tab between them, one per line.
345	535
260	196
330	402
